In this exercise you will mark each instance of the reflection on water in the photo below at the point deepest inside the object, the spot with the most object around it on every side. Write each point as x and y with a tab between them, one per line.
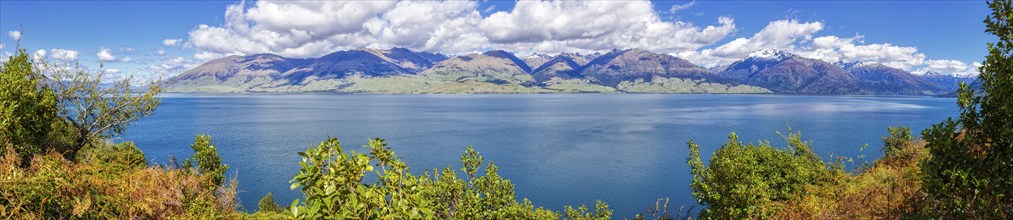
569	149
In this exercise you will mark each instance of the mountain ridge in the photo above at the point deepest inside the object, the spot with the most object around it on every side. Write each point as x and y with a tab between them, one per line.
400	70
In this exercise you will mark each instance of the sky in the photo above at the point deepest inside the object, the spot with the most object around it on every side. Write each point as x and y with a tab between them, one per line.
158	39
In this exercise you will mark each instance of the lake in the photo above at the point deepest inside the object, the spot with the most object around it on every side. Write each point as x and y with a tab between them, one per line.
558	149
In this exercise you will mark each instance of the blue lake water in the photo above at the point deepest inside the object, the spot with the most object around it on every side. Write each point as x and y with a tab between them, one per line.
558	149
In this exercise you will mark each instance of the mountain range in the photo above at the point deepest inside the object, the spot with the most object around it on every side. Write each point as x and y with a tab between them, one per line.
400	70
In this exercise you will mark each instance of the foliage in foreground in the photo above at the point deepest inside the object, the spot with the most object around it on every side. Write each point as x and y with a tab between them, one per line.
333	187
115	185
27	109
888	188
64	109
747	181
970	172
741	180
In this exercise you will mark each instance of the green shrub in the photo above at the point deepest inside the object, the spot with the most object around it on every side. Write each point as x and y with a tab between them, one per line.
56	188
741	180
27	106
205	160
601	212
970	171
267	204
333	188
890	188
125	155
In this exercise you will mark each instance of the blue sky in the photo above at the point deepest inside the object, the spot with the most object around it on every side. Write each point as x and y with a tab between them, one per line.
134	38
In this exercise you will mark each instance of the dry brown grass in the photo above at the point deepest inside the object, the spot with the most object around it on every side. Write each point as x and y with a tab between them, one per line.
890	189
53	187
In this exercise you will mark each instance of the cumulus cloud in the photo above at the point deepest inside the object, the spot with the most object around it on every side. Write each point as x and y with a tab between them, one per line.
835	49
39	55
780	34
168	66
954	67
321	27
314	28
578	26
800	38
63	54
15	35
172	42
105	55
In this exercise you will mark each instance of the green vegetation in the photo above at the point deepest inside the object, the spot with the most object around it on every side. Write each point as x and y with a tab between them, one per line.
206	161
676	85
970	171
962	169
94	111
29	109
333	188
447	83
57	163
742	180
749	181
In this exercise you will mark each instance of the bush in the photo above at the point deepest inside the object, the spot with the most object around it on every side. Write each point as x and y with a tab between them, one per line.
970	171
56	188
205	160
267	204
891	188
742	180
27	106
333	188
123	154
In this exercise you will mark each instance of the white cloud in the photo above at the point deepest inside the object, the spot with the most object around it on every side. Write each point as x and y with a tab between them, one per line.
677	7
954	67
16	35
834	49
39	55
161	52
63	54
799	38
5	56
780	34
315	28
172	42
580	26
169	66
105	55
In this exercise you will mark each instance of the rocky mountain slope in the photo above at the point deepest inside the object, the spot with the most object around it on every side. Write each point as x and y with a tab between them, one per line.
400	70
787	73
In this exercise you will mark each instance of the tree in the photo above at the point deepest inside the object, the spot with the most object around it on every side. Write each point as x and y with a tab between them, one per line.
96	110
28	106
970	169
267	204
205	160
333	187
741	180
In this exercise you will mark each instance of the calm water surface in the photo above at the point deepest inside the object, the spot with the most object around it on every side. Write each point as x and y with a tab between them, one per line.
570	149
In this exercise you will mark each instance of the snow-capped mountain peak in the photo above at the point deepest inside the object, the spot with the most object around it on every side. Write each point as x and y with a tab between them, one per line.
848	65
769	54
